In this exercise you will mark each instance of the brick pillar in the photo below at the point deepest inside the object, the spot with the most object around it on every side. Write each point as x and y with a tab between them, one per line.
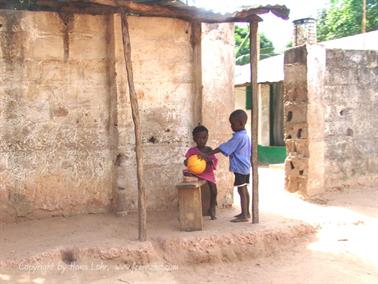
295	115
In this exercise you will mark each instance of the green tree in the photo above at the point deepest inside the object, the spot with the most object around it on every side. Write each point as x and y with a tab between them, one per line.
242	46
344	17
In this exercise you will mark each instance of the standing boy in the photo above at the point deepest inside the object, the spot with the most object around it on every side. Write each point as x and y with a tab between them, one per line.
238	149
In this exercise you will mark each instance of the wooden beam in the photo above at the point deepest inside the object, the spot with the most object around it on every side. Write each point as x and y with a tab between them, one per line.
197	72
254	54
142	214
186	13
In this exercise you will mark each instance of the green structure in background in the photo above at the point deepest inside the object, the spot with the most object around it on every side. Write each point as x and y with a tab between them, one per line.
271	154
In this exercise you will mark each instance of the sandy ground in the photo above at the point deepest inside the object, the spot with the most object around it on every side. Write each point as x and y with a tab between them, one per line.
343	250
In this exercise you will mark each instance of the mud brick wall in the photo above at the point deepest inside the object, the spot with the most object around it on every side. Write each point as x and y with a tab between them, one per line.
66	133
162	65
330	107
162	55
55	135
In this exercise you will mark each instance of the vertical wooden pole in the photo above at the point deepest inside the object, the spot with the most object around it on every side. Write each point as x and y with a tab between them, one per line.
364	16
142	215
254	53
197	72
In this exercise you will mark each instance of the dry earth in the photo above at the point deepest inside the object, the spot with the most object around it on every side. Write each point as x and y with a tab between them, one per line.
343	250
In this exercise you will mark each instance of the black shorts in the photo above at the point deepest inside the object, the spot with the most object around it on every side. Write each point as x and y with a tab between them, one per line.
241	180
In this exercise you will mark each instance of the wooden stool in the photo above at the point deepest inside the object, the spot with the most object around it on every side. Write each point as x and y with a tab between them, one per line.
190	205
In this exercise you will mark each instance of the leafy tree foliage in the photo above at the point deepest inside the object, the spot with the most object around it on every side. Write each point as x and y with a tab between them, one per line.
344	17
242	46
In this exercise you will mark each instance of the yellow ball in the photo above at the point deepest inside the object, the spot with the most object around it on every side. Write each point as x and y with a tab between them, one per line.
196	165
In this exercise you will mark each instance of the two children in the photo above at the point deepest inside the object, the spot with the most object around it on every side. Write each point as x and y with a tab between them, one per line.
238	149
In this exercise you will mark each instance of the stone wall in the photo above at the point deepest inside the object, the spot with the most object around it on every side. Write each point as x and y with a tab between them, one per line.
351	119
295	116
67	138
330	119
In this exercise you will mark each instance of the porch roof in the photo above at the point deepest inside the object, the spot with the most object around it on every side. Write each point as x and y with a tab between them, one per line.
154	8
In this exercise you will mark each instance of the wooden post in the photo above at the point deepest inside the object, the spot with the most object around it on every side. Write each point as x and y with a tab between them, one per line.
142	215
254	53
197	72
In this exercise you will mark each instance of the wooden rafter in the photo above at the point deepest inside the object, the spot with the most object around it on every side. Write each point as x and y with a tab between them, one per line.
187	13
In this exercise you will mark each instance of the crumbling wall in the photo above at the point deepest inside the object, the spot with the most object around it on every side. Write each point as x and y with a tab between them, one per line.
66	133
54	119
330	119
295	116
162	58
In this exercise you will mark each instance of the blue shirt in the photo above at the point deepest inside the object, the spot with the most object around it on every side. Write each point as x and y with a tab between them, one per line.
238	148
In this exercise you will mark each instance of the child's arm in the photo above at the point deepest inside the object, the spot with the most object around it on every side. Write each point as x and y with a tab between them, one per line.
206	156
226	148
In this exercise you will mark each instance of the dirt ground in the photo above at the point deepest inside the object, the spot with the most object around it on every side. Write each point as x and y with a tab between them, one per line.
343	249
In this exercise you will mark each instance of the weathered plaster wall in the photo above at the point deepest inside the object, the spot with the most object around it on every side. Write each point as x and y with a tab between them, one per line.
351	119
162	58
54	118
331	95
66	134
218	97
317	172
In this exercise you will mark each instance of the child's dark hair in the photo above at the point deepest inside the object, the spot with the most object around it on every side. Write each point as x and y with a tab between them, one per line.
199	129
240	115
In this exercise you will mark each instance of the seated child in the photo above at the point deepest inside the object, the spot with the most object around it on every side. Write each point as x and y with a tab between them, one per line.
200	136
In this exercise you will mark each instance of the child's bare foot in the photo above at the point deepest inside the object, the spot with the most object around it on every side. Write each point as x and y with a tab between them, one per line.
241	214
240	219
213	218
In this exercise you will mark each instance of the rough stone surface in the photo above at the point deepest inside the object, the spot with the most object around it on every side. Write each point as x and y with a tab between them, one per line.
67	139
336	110
295	119
351	133
54	139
